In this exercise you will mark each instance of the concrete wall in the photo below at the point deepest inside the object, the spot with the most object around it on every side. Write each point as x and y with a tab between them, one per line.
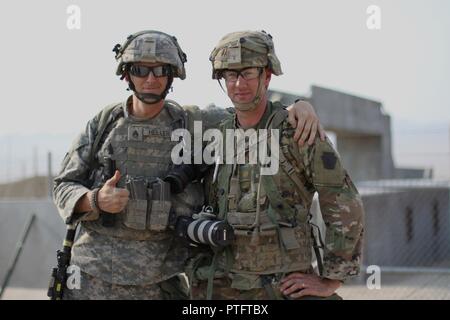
407	227
344	112
39	251
410	173
394	237
361	156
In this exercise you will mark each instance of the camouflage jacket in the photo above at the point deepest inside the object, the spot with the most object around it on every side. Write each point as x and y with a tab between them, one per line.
319	169
118	254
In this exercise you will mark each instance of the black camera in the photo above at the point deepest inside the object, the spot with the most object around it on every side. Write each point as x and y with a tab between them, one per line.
204	228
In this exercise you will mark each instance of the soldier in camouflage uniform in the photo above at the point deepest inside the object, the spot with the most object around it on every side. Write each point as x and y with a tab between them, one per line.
271	255
112	181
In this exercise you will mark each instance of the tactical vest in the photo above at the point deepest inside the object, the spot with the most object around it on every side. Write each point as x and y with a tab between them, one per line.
141	150
274	238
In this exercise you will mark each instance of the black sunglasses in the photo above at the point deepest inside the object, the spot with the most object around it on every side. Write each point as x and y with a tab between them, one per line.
143	71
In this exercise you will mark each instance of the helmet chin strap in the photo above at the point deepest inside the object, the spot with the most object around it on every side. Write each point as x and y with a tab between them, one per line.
150	98
248	106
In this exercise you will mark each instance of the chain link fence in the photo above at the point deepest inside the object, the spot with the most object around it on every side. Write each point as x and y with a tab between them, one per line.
406	251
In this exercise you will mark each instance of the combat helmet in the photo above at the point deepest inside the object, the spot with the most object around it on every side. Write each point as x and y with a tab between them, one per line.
245	49
153	47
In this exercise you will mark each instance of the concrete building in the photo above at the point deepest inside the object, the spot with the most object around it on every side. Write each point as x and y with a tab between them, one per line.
362	129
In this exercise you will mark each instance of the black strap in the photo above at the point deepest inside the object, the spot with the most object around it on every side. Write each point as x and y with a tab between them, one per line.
105	122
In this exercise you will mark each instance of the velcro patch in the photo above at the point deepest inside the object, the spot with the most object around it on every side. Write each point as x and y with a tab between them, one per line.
234	54
327	167
140	132
329	160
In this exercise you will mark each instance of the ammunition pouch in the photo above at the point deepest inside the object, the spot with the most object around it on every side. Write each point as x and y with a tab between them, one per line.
149	206
257	246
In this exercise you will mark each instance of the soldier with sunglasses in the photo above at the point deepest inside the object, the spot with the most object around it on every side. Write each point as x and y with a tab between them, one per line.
112	180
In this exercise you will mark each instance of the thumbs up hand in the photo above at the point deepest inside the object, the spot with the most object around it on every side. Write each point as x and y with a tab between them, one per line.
114	179
110	198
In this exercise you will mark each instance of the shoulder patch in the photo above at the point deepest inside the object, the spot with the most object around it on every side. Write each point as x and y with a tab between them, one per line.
329	160
327	168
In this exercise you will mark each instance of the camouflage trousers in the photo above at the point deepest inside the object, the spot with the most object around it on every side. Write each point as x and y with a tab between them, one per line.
222	290
92	288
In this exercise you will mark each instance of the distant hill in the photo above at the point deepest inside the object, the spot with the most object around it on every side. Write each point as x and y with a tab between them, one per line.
35	187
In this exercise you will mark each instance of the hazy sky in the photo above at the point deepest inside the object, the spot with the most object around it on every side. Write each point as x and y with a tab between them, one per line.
55	79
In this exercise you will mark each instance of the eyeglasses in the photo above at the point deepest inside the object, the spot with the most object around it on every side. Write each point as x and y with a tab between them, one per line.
247	74
143	71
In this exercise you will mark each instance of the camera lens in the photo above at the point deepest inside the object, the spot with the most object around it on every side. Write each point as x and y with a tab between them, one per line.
217	233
